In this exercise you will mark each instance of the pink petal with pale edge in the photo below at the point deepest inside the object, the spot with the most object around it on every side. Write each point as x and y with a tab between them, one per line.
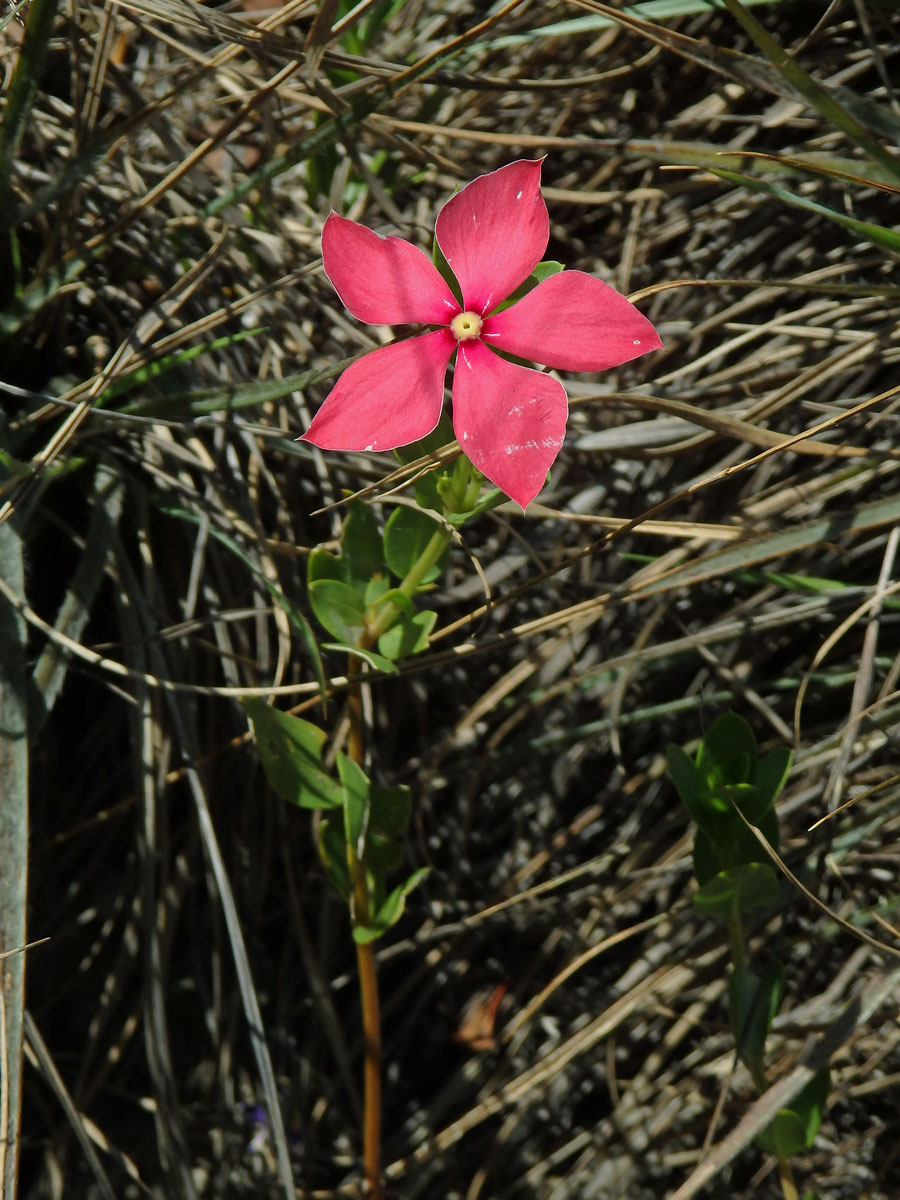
494	232
385	281
509	420
575	322
388	398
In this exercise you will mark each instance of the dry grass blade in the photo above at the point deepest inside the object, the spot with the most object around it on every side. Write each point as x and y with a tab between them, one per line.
718	532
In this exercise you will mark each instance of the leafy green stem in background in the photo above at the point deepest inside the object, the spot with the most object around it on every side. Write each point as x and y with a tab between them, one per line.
729	790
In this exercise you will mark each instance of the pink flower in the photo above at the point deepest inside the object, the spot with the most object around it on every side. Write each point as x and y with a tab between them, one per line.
509	420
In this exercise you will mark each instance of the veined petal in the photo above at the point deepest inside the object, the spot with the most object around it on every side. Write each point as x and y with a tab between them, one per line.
494	232
575	322
509	420
388	398
384	280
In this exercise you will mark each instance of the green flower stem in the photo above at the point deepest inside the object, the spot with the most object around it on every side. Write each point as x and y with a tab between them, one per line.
786	1179
365	965
412	581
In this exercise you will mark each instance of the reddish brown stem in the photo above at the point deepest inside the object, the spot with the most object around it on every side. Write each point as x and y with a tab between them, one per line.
368	978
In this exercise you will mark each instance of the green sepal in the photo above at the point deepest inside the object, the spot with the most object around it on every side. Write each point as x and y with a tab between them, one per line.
794	1129
406	534
490	500
290	750
429	481
753	1001
408	635
736	889
339	607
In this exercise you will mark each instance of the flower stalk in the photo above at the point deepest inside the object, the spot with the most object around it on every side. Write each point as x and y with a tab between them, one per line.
365	966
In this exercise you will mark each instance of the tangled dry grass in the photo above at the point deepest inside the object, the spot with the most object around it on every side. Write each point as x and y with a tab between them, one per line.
554	1009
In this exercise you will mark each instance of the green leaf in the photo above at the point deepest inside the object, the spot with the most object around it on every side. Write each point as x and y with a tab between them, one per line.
391	810
355	785
737	889
399	600
795	1129
707	858
406	534
332	845
290	750
361	544
727	753
685	776
377	587
409	635
390	911
339	607
753	1002
322	564
772	771
709	810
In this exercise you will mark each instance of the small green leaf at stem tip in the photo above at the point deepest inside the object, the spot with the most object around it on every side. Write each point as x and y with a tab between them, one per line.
737	889
290	750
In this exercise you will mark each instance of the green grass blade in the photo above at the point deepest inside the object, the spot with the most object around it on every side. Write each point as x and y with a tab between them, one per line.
13	843
878	235
823	101
22	90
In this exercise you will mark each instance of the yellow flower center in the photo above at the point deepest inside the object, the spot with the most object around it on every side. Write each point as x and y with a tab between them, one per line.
466	326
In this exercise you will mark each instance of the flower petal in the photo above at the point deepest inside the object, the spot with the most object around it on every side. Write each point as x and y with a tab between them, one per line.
388	398
494	232
575	322
385	281
509	420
